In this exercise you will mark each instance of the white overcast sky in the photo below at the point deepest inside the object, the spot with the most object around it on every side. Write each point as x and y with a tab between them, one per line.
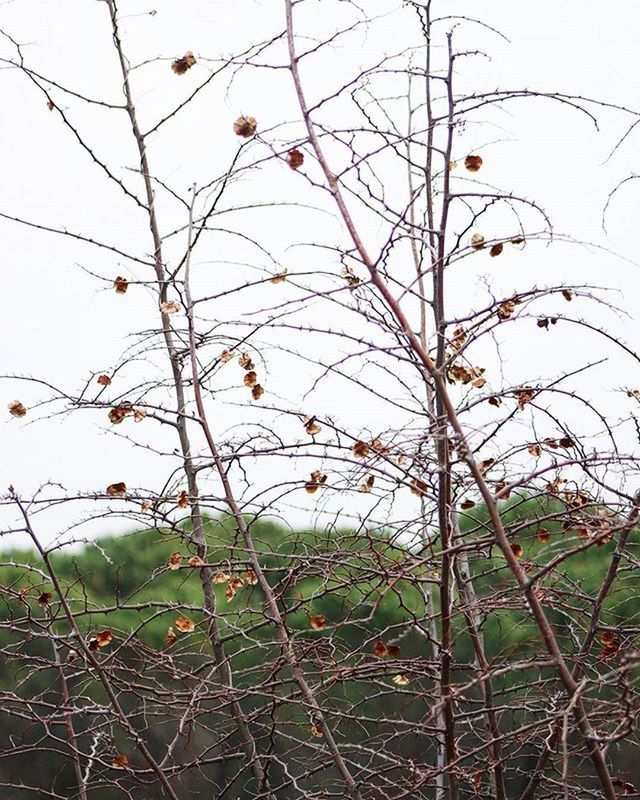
61	324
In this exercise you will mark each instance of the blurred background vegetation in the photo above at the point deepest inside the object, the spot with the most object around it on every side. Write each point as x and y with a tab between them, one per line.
369	587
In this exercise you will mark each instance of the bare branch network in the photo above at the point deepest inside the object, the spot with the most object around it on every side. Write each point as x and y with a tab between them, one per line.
375	482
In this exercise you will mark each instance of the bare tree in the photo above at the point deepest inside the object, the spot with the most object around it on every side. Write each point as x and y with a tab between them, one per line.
434	632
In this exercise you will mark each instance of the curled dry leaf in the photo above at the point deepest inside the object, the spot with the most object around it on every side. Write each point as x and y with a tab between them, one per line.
233	585
458	339
120	762
568	296
279	277
516	549
352	279
524	396
181	65
50	105
467	504
146	506
139	414
379	447
317	480
183	499
17	409
196	561
360	449
245	127
495	401
117	414
383	650
452	165
473	163
295	158
121	285
104	638
44	598
517	240
72	655
245	361
400	680
499	488
535	449
496	249
543	535
543	322
104	380
464	374
318	622
316	731
477	241
418	487
367	485
175	559
506	309
169	307
185	625
221	577
250	379
257	392
117	489
250	577
311	426
226	356
171	637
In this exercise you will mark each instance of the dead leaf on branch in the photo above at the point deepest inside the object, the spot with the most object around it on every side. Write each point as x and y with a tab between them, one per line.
318	622
317	480
383	650
311	426
360	449
250	577
101	639
418	487
185	625
473	163
496	249
367	485
279	277
295	158
104	380
257	392
477	241
169	307
245	361
17	409
196	561
117	489
524	396
506	309
120	762
183	499
181	65
171	637
121	285
118	413
250	379
175	559
226	356
245	127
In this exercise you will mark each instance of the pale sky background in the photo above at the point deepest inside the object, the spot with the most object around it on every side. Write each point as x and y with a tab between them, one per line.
61	324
